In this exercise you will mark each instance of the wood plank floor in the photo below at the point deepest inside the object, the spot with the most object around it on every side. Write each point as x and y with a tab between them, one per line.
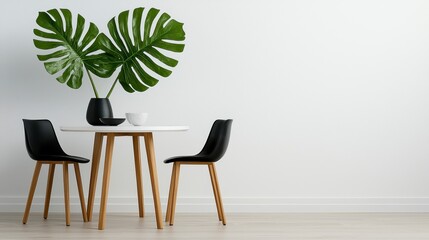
332	226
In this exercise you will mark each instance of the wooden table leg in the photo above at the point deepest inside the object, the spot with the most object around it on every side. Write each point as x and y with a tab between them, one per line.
150	152
137	161
98	142
106	180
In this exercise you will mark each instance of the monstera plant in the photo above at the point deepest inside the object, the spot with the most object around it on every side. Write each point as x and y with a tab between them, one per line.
140	50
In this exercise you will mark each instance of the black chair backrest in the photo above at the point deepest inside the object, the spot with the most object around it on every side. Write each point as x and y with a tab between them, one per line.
40	139
218	139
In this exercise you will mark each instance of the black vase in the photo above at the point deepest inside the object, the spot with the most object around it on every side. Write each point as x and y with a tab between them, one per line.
98	108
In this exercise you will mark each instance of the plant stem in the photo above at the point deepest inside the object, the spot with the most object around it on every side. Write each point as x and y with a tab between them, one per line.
111	89
92	83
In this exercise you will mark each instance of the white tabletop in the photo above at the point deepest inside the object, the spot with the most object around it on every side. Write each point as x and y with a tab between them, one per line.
123	129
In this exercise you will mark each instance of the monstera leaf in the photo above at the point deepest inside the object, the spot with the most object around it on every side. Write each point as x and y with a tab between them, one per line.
142	56
70	51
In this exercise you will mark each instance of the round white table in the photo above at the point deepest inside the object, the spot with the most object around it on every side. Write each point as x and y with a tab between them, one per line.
111	132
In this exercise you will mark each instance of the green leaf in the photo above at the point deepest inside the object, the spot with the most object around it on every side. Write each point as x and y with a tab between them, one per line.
164	59
47	44
66	75
72	51
57	54
56	66
141	63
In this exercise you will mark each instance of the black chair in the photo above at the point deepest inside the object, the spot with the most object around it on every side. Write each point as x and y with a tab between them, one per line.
43	146
213	150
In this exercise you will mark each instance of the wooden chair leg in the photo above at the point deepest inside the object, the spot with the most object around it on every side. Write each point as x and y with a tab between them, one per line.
216	186
31	192
49	190
66	192
80	190
170	194
176	167
215	192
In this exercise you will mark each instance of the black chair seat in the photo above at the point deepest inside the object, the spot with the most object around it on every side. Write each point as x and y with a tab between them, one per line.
57	158
195	158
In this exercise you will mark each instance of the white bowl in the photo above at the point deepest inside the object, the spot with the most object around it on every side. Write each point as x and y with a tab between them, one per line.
136	119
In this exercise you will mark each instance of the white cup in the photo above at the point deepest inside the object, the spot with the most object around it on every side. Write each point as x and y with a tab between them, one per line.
136	119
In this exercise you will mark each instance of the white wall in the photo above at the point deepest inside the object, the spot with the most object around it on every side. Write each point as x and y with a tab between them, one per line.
329	101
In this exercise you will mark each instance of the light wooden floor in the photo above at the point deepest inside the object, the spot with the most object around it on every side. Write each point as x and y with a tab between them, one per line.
332	226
